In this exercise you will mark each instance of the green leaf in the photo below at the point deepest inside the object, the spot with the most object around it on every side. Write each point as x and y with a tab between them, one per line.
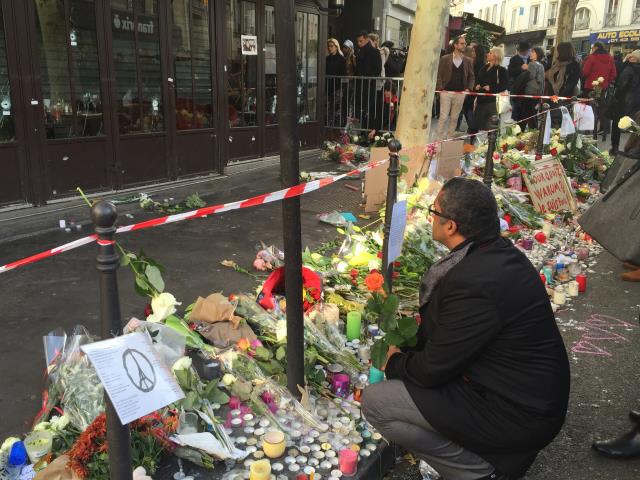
155	277
407	327
394	338
389	310
281	353
142	287
340	231
356	228
215	395
403	169
263	354
374	306
379	353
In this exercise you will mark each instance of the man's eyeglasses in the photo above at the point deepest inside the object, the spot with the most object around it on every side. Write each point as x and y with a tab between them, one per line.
432	211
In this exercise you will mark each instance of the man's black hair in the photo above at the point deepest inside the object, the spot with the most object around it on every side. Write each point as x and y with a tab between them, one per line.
471	204
363	33
523	47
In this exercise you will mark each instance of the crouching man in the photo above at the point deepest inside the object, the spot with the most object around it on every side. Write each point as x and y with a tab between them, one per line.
487	386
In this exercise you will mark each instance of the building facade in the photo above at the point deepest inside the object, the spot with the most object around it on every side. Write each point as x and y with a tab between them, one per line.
616	22
110	94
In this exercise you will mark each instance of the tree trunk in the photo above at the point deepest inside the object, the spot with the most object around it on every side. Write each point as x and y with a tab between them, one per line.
421	72
566	15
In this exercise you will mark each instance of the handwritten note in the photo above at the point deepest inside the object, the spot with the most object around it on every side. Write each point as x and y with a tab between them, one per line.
549	187
133	375
396	235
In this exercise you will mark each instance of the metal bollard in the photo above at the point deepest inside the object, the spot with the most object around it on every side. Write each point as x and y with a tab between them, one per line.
392	192
104	216
493	138
542	125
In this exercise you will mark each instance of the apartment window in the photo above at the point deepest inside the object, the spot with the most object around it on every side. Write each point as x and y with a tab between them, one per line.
553	13
514	17
636	13
611	14
533	15
503	9
494	12
582	19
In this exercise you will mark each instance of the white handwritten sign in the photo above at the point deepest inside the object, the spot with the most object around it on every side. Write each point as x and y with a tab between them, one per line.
549	187
133	375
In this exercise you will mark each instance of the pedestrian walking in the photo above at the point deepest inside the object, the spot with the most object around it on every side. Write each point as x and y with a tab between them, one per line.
335	66
455	74
492	78
518	70
487	385
626	96
534	86
563	77
477	55
368	64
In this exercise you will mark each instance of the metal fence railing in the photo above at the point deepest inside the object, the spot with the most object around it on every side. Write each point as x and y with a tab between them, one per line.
362	103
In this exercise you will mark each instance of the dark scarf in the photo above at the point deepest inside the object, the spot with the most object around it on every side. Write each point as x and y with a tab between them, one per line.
439	270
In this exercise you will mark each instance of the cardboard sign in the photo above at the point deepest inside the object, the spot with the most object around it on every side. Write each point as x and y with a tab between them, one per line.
549	187
375	180
448	159
133	375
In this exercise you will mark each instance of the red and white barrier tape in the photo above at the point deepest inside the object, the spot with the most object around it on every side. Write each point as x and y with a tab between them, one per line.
553	98
290	192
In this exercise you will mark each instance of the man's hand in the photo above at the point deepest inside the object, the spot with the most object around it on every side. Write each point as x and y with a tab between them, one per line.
392	349
525	66
486	88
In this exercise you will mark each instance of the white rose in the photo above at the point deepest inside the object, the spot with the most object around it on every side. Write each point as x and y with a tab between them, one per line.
601	79
183	363
7	444
516	129
355	139
376	138
162	305
374	264
595	83
228	379
281	330
625	123
59	423
342	267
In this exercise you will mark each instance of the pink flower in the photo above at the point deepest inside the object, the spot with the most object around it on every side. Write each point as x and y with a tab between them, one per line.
234	403
267	397
256	343
273	408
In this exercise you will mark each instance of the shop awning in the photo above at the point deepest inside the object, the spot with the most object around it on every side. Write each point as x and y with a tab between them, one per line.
491	28
532	36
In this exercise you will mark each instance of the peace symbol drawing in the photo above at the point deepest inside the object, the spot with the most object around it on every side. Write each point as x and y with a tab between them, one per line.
139	370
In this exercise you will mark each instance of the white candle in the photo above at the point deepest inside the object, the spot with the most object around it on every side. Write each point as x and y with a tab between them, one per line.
573	289
559	296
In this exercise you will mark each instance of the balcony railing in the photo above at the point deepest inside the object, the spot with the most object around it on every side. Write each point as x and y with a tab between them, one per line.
362	103
551	22
581	24
610	19
636	16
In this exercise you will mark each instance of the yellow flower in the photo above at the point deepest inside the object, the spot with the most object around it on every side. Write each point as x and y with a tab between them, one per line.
625	123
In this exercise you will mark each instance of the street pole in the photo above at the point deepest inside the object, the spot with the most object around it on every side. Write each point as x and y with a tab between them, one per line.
290	174
392	193
491	147
542	125
104	216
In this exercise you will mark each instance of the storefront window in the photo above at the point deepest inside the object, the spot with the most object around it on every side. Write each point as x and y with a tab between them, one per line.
307	63
7	131
136	52
69	68
192	60
270	84
398	32
242	64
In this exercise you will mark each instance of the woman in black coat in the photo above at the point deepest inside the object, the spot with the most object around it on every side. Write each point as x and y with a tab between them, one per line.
336	66
492	78
562	78
626	96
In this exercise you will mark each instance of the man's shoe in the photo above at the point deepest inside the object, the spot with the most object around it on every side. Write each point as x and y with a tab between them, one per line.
632	276
625	446
634	415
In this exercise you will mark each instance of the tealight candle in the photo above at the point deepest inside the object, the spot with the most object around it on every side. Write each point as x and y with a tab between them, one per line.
314	462
258	432
294	467
325	465
315	447
348	461
277	467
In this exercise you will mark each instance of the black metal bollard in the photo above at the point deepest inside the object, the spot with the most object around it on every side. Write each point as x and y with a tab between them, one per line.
392	193
491	148
542	125
104	216
290	173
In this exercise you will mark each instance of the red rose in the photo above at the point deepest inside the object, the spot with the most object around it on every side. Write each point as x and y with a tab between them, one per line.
147	310
505	147
418	319
507	218
354	272
515	166
554	151
396	264
379	254
395	274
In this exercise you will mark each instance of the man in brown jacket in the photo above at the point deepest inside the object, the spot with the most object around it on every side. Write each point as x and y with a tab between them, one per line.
455	74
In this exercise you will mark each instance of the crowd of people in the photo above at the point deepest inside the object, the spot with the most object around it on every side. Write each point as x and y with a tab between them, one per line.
613	81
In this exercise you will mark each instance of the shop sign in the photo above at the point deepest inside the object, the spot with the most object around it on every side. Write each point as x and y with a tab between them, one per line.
125	23
621	36
549	187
